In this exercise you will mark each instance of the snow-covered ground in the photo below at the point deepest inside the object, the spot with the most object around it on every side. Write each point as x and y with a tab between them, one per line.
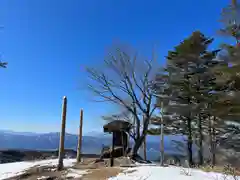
141	172
168	173
17	168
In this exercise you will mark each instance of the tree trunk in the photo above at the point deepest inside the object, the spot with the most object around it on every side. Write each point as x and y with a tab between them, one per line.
210	136
136	147
144	149
138	144
213	142
162	144
139	140
200	151
190	159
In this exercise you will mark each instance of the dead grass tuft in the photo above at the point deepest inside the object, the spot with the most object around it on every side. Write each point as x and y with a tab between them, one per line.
221	169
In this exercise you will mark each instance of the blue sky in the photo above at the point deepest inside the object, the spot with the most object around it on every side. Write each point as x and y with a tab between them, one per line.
49	42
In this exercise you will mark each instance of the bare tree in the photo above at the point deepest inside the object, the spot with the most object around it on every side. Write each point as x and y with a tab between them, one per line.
126	81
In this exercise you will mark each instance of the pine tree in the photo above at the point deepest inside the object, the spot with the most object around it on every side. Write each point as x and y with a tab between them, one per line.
228	78
201	89
189	81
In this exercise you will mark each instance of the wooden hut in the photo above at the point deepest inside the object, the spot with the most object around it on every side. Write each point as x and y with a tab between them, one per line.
119	130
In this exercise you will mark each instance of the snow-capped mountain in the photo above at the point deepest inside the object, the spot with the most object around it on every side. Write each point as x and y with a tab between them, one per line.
91	144
49	141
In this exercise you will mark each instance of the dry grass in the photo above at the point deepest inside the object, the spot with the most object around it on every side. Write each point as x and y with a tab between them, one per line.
97	171
102	173
221	169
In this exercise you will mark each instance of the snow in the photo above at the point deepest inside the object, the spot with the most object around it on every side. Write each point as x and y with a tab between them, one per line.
42	177
9	170
141	172
167	173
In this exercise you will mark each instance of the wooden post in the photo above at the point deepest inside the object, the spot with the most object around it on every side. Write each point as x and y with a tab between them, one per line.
112	158
79	148
162	137
144	146
62	135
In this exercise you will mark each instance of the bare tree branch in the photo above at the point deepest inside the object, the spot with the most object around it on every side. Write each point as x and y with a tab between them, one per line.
126	82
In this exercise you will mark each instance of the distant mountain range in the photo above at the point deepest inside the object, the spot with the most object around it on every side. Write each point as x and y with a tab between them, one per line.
91	144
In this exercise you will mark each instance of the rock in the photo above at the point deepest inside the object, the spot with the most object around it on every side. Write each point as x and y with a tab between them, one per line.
117	152
126	162
139	159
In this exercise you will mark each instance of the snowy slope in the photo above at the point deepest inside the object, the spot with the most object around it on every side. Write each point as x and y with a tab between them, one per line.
13	169
141	172
168	173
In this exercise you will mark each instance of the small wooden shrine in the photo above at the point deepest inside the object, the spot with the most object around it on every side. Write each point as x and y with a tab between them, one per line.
119	130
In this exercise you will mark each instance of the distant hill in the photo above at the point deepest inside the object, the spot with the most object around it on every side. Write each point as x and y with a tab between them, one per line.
18	146
16	155
91	144
49	141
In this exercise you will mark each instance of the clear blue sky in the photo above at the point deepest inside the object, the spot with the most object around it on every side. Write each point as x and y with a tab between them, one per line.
49	42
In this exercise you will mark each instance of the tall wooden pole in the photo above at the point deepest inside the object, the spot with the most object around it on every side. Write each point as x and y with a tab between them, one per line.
144	145
162	137
79	148
62	135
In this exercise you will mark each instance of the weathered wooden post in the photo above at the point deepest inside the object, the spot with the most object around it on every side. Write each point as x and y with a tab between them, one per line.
79	148
62	135
162	137
144	144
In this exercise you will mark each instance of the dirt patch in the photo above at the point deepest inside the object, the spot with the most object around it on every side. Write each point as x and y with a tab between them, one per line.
42	172
90	164
98	170
102	173
89	169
